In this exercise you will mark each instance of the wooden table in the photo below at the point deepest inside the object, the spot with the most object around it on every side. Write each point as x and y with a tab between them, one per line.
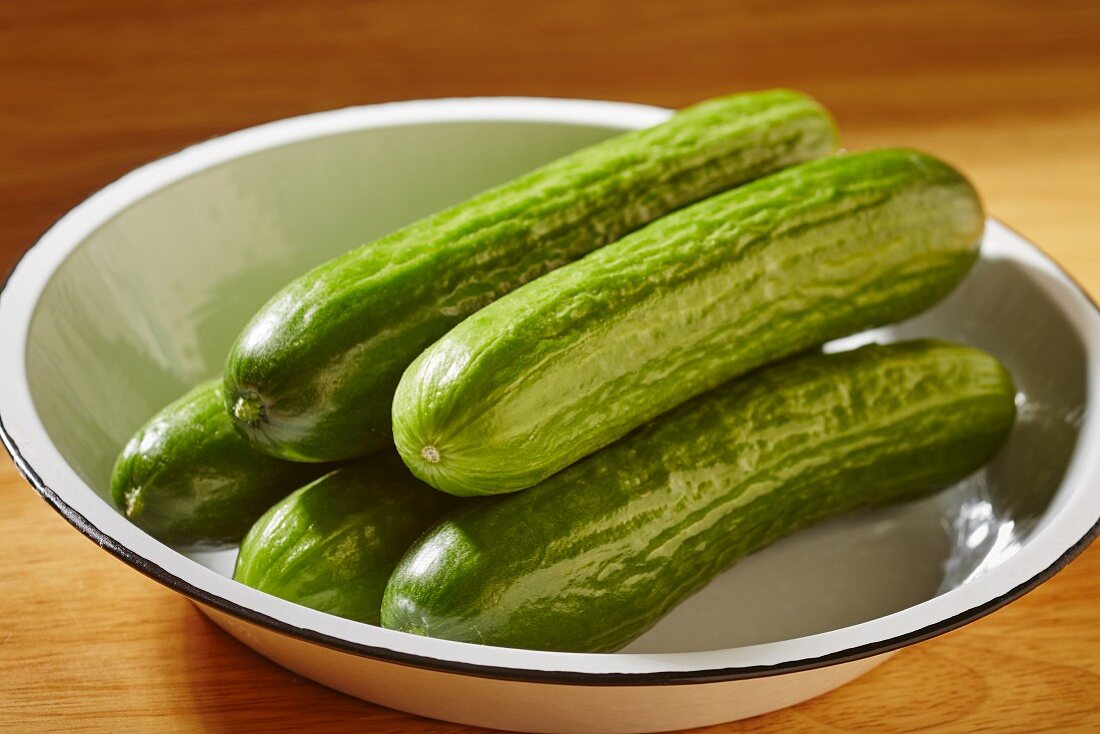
1010	92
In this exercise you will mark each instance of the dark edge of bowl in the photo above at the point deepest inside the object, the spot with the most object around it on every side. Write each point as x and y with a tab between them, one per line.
559	677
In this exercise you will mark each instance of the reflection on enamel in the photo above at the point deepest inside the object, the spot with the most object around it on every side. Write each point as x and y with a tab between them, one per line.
1005	545
978	535
984	541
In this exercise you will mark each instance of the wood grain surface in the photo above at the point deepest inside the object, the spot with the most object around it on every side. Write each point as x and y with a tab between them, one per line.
1008	91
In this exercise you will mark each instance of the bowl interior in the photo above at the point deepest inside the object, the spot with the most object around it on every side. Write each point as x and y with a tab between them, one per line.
149	303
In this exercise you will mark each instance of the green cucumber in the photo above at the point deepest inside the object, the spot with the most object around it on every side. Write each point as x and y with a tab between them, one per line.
332	545
189	479
576	359
595	555
312	376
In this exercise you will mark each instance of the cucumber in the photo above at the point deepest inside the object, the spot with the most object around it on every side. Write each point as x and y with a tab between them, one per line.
595	555
576	359
332	545
189	479
312	376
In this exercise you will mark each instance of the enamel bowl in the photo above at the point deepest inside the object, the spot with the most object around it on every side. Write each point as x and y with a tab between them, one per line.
137	293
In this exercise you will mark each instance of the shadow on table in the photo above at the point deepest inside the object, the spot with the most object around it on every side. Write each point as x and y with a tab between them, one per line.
234	689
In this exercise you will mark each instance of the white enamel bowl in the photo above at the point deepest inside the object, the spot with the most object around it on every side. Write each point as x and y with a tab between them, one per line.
137	293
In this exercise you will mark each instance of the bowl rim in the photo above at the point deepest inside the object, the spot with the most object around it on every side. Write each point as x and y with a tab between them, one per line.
1047	551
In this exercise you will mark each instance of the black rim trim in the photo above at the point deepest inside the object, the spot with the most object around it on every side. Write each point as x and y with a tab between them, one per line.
716	675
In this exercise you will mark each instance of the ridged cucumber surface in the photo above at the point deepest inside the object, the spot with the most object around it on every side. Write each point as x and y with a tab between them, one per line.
595	555
312	376
189	479
574	360
332	545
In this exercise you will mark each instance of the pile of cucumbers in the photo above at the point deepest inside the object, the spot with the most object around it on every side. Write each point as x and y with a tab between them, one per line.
544	417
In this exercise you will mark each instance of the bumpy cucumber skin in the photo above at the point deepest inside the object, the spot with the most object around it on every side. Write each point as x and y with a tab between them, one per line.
342	334
332	545
595	555
189	479
574	360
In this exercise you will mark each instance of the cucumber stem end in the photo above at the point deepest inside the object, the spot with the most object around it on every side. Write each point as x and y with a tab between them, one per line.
249	409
